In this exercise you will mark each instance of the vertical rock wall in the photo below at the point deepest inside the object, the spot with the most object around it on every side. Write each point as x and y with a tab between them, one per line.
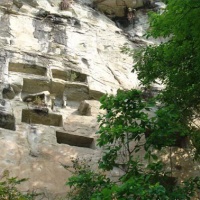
54	67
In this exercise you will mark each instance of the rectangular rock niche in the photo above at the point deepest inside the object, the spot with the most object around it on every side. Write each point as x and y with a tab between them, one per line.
27	68
7	121
41	117
35	85
69	75
74	140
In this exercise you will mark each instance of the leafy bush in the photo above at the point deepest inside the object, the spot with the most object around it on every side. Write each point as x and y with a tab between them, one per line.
9	190
84	182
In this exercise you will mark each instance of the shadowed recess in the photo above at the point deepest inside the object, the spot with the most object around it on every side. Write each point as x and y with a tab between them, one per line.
28	69
69	75
35	85
74	140
7	121
41	116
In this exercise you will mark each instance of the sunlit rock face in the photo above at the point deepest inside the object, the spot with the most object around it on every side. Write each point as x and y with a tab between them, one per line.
54	67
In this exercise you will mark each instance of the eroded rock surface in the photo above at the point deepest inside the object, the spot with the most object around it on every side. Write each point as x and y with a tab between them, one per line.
51	61
54	67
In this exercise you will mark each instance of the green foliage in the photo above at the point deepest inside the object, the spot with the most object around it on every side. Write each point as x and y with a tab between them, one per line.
84	182
151	184
167	127
124	122
9	190
73	76
195	137
129	119
134	188
38	101
121	134
175	62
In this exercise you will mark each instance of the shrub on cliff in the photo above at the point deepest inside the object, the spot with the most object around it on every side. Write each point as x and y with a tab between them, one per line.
10	191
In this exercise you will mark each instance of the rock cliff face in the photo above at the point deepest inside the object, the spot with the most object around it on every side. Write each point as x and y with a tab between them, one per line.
54	67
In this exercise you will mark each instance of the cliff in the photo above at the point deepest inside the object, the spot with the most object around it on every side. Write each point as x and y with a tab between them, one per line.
55	65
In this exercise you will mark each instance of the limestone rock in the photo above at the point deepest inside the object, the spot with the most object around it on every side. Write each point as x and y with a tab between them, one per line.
6	3
33	3
18	3
89	107
84	108
8	92
81	125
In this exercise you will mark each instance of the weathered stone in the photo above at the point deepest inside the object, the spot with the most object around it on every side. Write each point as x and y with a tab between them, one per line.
41	98
5	28
117	8
6	3
89	107
80	125
8	92
33	3
84	108
16	84
18	3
